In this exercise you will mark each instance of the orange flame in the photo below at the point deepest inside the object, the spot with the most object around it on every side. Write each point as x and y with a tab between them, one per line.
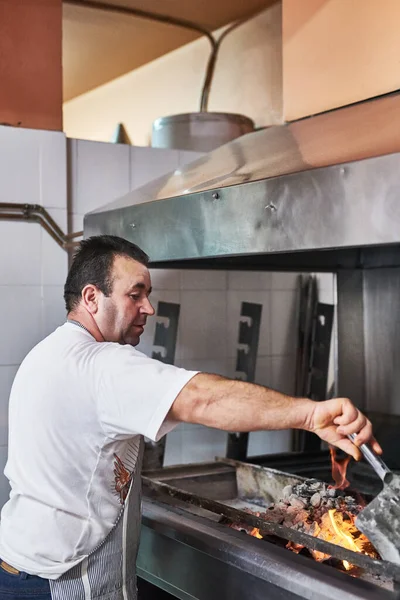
346	539
256	533
339	469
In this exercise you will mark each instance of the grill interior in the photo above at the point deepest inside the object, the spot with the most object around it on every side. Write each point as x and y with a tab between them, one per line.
211	490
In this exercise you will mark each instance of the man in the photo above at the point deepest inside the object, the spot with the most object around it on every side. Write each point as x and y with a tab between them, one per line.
80	405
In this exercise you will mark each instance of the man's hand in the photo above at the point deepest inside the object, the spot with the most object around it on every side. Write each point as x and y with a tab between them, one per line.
333	420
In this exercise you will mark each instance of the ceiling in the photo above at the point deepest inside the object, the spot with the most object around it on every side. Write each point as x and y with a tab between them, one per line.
99	45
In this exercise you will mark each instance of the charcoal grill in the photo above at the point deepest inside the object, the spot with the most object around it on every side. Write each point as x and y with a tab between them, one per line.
189	552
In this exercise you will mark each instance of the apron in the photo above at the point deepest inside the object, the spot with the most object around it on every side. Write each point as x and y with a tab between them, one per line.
109	572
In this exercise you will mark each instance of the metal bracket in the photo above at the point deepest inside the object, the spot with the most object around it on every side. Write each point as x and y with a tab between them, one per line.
249	333
164	339
166	333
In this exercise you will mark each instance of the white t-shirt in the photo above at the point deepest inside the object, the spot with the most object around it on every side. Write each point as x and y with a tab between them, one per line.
77	409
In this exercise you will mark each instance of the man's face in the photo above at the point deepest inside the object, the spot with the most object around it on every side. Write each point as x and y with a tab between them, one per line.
121	317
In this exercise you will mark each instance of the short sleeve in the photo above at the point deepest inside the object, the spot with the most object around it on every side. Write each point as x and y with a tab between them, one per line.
135	392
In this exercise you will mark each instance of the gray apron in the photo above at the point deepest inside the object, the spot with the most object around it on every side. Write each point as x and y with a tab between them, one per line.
109	572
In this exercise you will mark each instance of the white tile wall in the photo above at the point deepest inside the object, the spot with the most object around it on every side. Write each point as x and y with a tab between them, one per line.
100	173
20	321
53	308
249	280
165	279
4	484
20	259
7	374
203	325
284	310
203	280
269	442
173	448
33	167
203	443
147	164
32	170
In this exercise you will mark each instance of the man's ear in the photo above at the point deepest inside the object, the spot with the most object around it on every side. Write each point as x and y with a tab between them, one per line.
90	298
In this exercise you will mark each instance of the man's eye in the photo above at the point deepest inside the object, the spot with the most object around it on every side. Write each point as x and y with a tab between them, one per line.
134	297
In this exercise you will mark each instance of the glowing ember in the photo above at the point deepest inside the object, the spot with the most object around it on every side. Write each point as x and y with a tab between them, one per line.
339	469
256	533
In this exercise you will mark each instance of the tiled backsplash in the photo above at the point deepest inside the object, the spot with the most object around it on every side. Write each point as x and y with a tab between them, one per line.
208	337
32	267
33	270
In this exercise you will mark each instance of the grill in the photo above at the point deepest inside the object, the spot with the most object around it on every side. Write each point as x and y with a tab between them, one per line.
189	550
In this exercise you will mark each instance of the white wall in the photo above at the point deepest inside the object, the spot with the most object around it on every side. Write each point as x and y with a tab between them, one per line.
32	266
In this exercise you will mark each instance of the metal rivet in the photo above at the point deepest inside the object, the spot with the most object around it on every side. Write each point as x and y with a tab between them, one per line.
271	207
215	196
132	225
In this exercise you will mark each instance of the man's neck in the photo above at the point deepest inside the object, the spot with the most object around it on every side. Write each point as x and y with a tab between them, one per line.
87	322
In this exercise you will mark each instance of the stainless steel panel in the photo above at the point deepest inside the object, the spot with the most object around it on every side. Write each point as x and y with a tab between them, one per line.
382	339
353	205
350	337
351	133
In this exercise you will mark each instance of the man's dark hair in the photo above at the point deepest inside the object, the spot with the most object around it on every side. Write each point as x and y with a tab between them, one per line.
93	263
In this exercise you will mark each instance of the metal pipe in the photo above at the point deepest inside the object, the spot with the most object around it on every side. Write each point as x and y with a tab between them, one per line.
42	211
380	468
71	236
38	214
205	93
144	14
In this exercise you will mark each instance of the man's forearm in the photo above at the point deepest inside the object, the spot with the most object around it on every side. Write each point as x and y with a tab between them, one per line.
234	405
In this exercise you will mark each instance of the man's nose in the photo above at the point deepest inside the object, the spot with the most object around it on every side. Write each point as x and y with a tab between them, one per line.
147	308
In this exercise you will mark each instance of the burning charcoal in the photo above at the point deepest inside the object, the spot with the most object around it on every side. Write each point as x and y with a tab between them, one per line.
301	517
274	517
287	492
315	500
297	502
304	490
350	500
330	503
332	492
314	529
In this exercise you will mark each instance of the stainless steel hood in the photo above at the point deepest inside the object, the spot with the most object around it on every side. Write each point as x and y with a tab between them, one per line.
320	193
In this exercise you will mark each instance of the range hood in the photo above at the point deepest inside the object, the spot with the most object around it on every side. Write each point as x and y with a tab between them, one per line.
322	193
